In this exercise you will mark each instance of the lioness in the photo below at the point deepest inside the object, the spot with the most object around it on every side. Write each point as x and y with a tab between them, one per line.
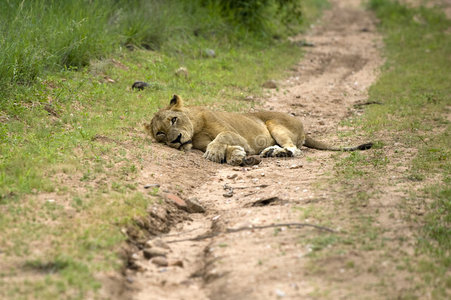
230	137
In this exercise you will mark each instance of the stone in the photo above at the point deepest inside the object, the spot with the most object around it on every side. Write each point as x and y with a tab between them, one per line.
194	206
228	194
210	52
270	84
232	176
150	186
160	261
140	85
182	72
179	202
177	263
154	252
159	243
280	293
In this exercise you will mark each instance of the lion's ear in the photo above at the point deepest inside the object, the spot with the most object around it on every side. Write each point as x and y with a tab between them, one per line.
148	128
176	103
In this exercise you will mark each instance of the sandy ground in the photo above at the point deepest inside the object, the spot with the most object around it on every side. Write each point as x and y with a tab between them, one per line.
210	257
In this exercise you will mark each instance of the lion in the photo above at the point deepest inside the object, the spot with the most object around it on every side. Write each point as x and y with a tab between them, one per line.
227	137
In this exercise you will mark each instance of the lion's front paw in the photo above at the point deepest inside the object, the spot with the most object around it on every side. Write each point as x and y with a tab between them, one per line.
216	152
235	155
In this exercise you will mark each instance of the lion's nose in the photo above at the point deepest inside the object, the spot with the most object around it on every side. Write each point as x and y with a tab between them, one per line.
178	139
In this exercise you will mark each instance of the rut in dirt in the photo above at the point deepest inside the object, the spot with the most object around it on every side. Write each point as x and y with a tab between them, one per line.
233	250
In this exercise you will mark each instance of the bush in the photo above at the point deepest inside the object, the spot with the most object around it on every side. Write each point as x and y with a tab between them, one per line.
259	15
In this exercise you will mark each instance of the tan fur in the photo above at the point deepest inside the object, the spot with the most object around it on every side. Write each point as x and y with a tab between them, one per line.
229	137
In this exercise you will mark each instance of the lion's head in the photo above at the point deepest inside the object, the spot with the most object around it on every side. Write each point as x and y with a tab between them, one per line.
172	126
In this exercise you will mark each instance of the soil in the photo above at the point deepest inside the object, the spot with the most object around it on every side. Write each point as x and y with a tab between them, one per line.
231	251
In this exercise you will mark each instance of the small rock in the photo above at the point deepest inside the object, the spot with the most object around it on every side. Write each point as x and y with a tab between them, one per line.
305	44
227	187
210	52
294	166
153	185
140	85
249	98
177	263
280	293
179	202
251	161
228	194
232	176
194	206
270	84
134	257
160	261
50	200
154	252
182	72
108	79
135	264
159	243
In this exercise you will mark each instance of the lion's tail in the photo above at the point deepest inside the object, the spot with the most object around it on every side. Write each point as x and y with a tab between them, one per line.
314	144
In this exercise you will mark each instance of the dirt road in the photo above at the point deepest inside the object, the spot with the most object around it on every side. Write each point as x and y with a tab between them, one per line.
268	263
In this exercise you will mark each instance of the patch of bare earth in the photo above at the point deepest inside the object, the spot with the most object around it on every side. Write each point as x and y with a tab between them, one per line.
239	248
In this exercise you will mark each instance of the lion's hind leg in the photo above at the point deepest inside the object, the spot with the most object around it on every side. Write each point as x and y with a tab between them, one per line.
286	141
275	151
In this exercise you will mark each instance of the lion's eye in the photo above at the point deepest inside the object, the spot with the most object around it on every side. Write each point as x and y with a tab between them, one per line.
160	133
173	120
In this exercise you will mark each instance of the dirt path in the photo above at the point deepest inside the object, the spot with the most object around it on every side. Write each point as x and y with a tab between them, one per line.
269	263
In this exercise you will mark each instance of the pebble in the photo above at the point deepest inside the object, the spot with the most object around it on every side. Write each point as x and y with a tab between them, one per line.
232	176
160	261
177	263
157	243
153	185
280	293
194	206
135	256
294	166
228	194
179	202
210	52
182	72
270	84
140	85
154	252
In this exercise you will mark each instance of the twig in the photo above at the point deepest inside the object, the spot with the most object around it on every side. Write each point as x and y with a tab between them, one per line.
357	105
421	139
233	230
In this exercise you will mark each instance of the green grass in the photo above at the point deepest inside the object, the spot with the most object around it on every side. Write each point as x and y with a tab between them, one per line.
71	138
38	37
415	92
